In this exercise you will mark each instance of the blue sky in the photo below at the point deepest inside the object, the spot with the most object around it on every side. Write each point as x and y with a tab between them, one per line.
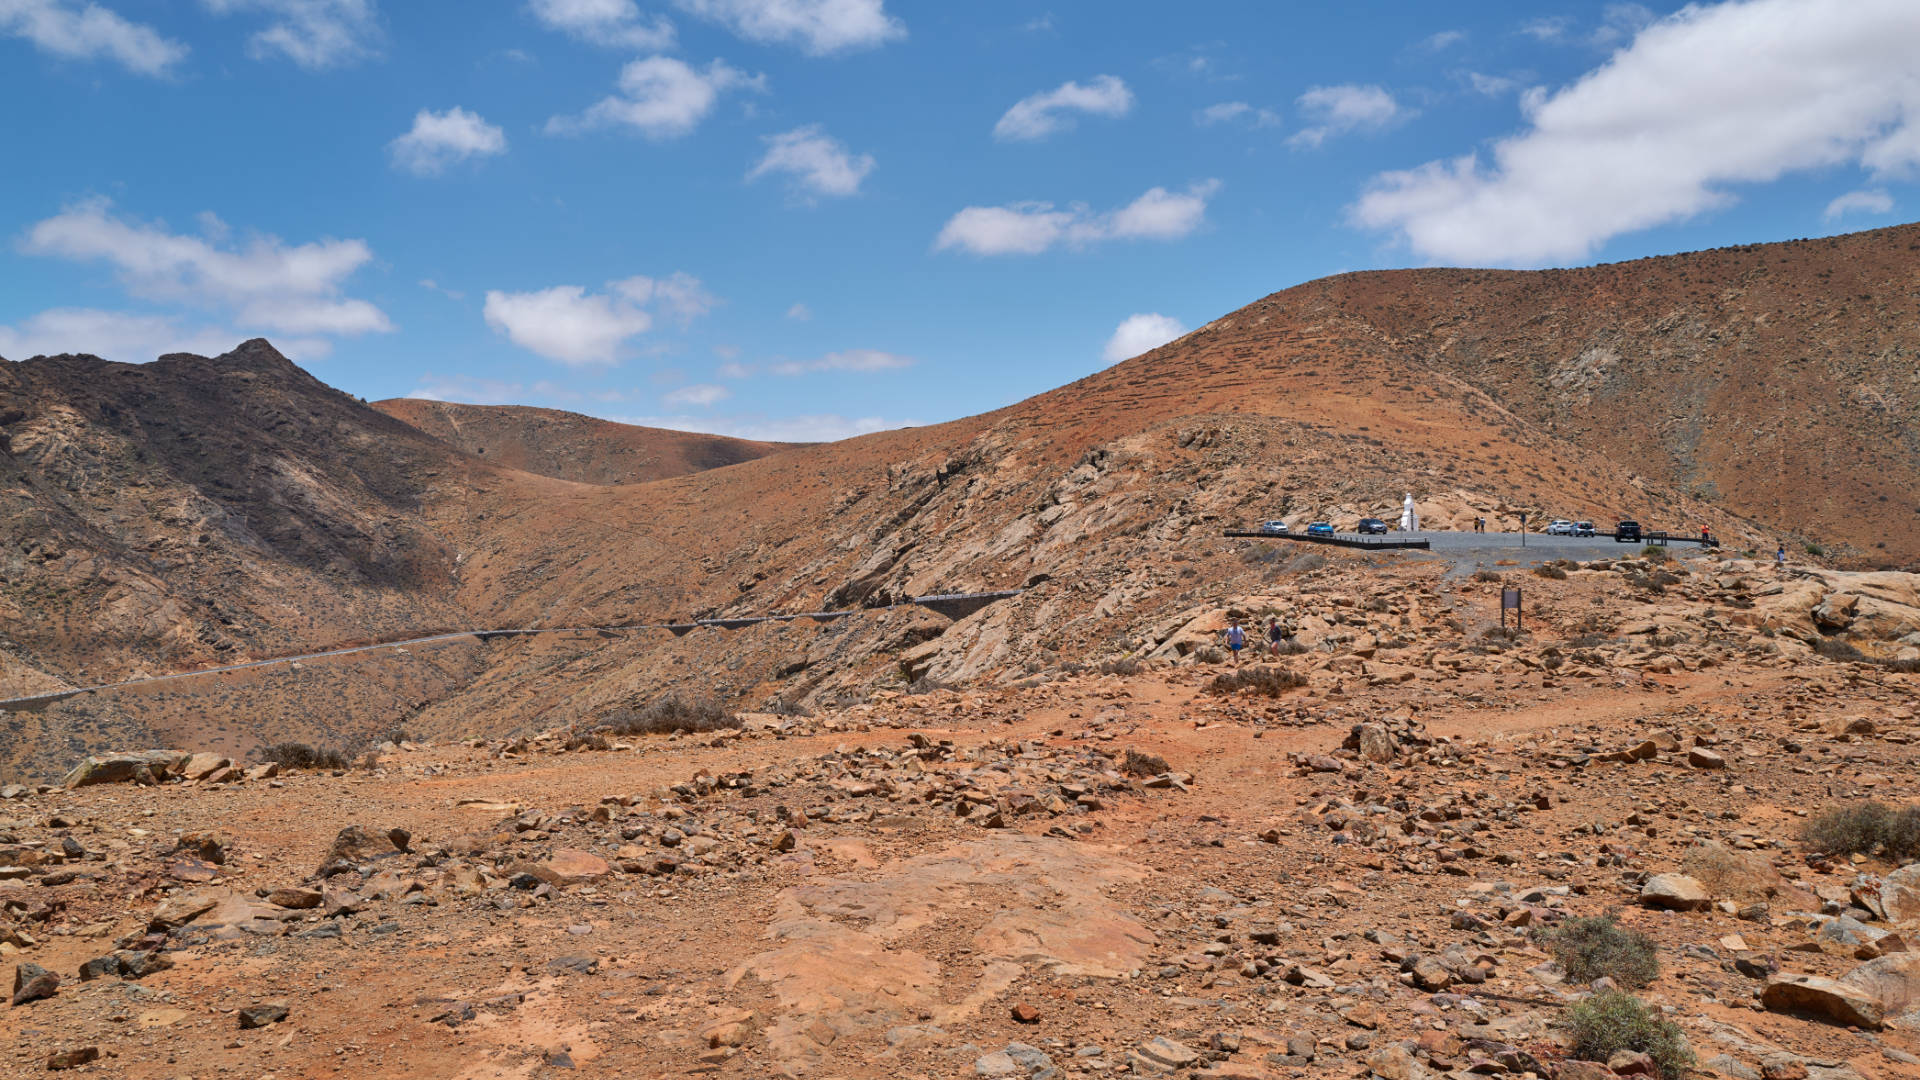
809	218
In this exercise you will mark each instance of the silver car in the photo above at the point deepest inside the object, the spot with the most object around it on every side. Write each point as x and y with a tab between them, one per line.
1274	528
1560	527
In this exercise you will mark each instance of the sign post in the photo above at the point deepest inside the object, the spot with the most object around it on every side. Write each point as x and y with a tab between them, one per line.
1510	601
1523	528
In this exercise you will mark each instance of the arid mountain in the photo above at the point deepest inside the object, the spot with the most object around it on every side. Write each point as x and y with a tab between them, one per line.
569	446
168	515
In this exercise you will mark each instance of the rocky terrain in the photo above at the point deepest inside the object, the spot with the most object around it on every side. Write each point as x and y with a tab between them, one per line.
1352	858
569	446
143	536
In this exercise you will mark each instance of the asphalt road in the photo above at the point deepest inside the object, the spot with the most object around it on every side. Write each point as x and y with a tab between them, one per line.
1468	548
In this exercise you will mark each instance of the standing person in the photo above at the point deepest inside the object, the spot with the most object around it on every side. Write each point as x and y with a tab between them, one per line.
1275	636
1780	559
1236	640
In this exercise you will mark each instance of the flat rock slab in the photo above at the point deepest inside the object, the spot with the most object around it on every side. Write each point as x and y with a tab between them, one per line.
842	959
1813	995
1675	892
1900	896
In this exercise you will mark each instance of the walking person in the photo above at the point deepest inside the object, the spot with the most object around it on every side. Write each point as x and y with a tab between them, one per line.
1780	559
1275	635
1236	640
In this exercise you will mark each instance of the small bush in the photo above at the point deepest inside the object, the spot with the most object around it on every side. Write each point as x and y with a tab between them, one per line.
1592	947
1815	550
670	713
1743	875
1605	1024
299	755
1865	828
1139	764
1487	575
1654	552
780	706
395	736
1209	654
1550	572
924	685
1124	665
588	740
1264	679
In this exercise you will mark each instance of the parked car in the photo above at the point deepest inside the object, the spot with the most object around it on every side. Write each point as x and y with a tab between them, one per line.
1320	528
1372	527
1627	532
1274	528
1583	528
1560	527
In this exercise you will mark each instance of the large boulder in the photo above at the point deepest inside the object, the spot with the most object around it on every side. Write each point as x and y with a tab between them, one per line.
570	867
1830	998
1893	981
1900	895
1675	892
138	767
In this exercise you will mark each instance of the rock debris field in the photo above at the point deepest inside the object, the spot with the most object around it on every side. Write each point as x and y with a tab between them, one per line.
1361	859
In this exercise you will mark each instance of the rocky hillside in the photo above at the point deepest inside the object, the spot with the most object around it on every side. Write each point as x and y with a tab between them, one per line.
569	446
145	534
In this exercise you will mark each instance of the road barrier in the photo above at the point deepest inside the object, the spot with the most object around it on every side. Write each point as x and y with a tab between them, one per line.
1353	540
945	603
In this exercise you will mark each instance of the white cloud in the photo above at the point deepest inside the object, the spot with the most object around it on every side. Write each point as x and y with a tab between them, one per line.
1708	98
112	335
861	360
800	313
438	140
433	286
1339	110
818	27
86	31
1551	28
1445	39
734	370
700	394
468	390
1236	112
312	33
1031	228
1140	333
815	427
1866	201
1490	85
268	284
613	23
661	97
818	163
572	326
1045	113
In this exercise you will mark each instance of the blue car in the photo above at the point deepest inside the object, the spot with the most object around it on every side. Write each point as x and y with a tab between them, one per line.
1320	528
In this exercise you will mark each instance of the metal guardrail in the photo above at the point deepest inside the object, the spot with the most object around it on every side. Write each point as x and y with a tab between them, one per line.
1354	540
34	702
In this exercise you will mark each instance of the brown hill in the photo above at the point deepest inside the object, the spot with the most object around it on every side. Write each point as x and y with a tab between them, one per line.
1485	394
569	446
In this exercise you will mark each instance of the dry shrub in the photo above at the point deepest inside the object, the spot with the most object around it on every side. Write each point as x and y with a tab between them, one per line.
1598	945
1549	571
1864	829
669	713
1208	654
1605	1024
1741	875
588	740
1125	665
1487	575
1266	679
1139	764
299	755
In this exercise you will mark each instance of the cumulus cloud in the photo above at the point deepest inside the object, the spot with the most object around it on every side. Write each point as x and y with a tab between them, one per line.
112	335
660	97
615	24
1033	227
1865	201
1236	112
861	360
818	164
799	313
1445	39
1140	333
87	31
438	140
1490	85
817	27
1053	110
700	394
312	33
572	326
1339	110
269	284
1714	96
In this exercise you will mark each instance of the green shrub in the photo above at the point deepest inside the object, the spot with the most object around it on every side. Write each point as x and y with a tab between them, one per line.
1865	828
1814	549
1607	1023
1598	945
1654	552
1263	679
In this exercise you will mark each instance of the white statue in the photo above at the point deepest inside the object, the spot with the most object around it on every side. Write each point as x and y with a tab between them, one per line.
1409	517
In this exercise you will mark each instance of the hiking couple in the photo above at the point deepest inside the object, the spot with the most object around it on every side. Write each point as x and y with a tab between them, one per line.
1237	638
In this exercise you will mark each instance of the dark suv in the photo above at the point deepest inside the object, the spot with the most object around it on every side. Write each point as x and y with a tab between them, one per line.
1372	526
1627	532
